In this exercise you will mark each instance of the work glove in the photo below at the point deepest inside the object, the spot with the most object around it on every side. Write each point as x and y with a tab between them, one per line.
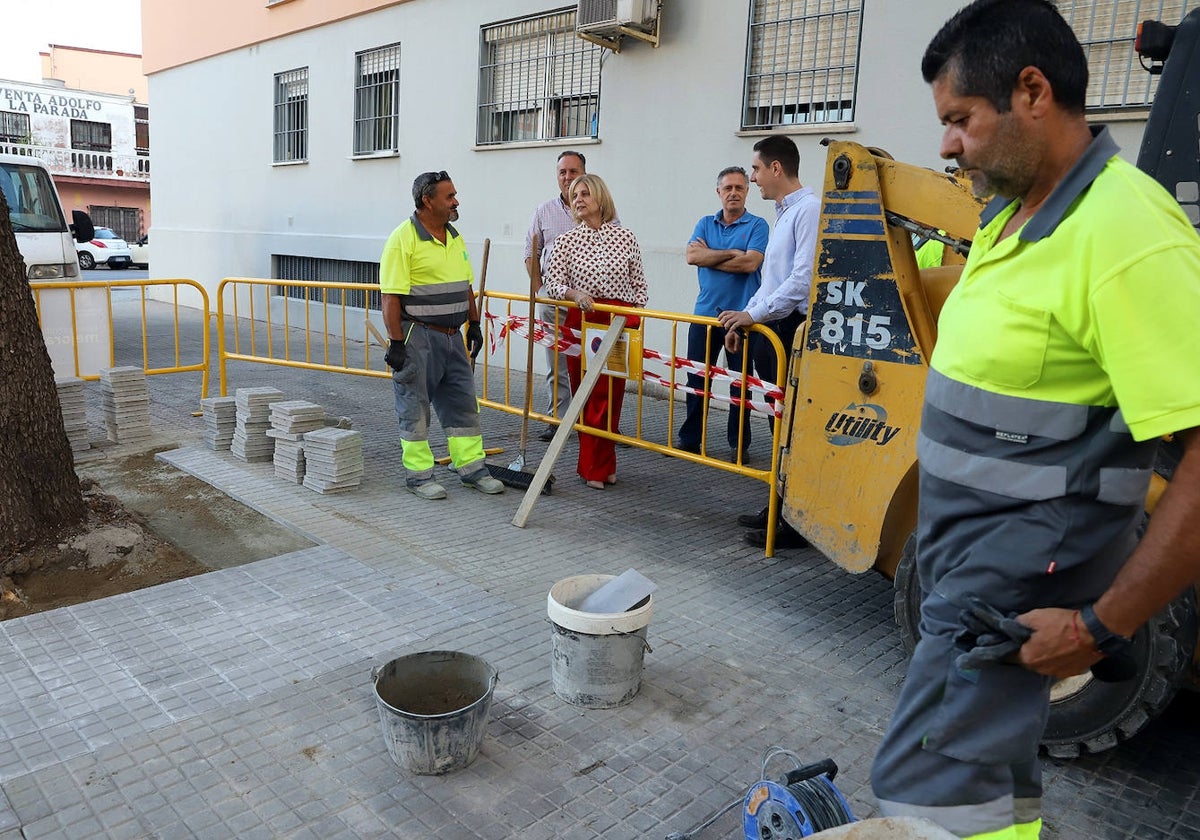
396	354
474	339
988	636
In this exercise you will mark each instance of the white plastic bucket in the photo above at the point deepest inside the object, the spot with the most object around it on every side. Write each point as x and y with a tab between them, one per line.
596	657
433	708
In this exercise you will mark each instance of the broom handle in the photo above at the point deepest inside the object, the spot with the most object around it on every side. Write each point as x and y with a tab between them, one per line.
535	282
487	246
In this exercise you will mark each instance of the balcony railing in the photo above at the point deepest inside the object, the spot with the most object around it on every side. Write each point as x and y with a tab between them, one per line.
113	165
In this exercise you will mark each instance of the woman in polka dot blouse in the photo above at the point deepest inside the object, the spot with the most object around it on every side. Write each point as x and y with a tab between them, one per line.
597	262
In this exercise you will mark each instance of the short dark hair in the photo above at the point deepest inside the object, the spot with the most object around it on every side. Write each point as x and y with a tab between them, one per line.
779	148
582	159
731	170
987	44
425	185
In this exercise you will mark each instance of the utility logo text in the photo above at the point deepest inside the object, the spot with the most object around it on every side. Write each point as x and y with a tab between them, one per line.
858	424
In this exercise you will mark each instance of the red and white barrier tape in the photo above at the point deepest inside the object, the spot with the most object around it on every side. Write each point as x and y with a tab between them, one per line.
568	342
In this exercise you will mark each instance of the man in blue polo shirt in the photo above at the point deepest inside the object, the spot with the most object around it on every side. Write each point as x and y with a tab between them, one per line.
727	249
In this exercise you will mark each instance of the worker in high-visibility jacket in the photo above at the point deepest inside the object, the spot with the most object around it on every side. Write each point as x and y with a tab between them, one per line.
425	285
1052	379
930	254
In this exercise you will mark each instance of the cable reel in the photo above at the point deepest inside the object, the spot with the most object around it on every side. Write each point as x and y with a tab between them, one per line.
806	802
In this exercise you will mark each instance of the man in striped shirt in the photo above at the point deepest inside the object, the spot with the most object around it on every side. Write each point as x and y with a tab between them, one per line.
550	219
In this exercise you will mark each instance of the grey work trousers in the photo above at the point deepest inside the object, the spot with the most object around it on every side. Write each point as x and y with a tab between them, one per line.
961	749
436	373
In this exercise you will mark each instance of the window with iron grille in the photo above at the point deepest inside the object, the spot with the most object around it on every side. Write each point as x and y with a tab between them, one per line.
537	80
141	129
90	136
14	128
377	100
801	62
125	222
291	115
321	270
1107	31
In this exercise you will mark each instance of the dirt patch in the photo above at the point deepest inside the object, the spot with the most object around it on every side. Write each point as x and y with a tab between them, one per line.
208	525
148	523
114	552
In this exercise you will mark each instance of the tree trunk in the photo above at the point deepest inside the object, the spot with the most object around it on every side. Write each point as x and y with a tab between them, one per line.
39	490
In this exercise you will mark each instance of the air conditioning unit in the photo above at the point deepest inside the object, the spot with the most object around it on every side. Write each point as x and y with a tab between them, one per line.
606	17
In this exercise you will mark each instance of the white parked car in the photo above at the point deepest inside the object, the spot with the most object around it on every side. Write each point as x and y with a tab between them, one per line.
106	248
140	252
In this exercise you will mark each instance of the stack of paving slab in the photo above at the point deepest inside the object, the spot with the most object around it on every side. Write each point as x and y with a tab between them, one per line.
126	404
250	442
290	420
220	420
74	411
333	460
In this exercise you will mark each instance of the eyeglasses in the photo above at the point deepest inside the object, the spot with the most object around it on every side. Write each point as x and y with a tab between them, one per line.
428	178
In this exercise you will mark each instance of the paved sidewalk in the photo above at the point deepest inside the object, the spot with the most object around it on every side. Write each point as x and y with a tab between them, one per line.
239	703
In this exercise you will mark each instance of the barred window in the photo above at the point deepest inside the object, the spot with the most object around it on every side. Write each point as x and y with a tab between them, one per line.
1107	30
291	115
141	129
322	270
801	62
377	100
14	127
125	222
537	80
90	136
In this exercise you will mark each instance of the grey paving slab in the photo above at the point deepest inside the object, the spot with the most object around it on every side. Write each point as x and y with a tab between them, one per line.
239	703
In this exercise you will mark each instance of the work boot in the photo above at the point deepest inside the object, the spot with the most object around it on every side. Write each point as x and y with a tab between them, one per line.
785	537
754	520
482	481
429	490
547	433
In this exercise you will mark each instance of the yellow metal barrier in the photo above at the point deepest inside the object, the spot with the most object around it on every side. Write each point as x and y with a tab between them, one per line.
75	331
256	318
337	334
658	329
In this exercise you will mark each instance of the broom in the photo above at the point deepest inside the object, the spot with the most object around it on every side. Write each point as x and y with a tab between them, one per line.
514	475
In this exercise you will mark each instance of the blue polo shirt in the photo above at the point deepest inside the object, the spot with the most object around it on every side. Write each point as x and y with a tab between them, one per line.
722	290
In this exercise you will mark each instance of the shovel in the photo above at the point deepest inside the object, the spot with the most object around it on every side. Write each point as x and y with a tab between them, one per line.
535	283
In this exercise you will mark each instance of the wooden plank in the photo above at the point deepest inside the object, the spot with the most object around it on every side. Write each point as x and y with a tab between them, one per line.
595	367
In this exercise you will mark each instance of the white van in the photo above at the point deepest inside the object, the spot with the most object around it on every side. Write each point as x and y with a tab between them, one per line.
47	243
44	238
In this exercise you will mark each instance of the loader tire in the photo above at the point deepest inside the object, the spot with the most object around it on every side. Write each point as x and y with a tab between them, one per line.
1093	716
906	596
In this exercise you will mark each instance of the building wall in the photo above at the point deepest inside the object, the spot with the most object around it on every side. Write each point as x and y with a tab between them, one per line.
669	120
176	33
81	68
119	178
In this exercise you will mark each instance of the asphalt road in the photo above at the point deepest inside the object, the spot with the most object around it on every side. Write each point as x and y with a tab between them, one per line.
102	273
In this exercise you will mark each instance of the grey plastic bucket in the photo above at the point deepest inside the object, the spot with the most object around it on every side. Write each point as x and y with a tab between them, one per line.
596	657
433	707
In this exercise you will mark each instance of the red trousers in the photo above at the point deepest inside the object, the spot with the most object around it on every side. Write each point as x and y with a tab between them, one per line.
597	456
